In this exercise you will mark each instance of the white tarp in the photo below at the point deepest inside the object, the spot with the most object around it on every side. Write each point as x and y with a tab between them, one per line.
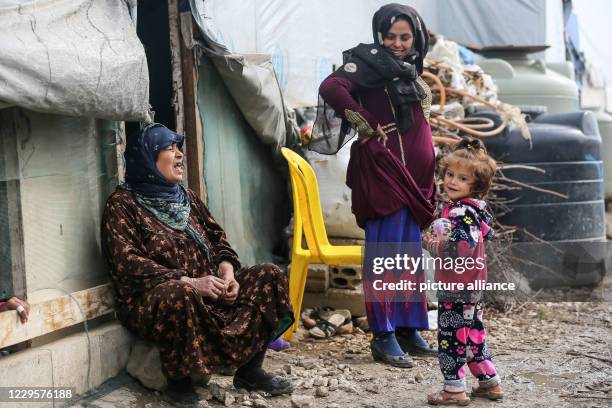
335	195
252	82
595	33
73	57
306	39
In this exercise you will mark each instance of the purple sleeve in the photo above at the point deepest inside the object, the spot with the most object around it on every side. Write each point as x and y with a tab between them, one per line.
338	93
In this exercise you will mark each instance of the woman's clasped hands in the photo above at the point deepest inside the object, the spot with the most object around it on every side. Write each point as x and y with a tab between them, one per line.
224	288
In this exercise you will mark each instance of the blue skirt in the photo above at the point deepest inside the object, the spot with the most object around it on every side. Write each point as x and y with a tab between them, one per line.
389	236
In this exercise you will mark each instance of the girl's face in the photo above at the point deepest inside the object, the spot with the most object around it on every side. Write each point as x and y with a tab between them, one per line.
399	39
170	164
458	181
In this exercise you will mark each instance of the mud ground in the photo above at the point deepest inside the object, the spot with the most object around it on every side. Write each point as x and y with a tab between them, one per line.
548	355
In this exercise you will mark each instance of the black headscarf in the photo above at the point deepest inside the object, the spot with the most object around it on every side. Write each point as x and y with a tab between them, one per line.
385	17
374	66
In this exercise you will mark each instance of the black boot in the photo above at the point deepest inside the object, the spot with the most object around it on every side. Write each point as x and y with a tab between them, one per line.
410	340
181	393
252	377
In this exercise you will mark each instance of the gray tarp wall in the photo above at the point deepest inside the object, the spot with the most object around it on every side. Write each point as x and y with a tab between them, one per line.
66	68
247	193
60	171
73	57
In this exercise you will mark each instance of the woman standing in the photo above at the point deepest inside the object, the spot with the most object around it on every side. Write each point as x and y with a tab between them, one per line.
379	94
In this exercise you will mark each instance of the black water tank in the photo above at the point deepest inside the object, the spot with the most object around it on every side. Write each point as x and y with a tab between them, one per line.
567	146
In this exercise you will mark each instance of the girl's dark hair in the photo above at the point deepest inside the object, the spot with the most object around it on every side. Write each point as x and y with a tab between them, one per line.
472	152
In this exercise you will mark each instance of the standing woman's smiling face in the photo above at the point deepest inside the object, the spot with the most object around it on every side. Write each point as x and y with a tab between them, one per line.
399	38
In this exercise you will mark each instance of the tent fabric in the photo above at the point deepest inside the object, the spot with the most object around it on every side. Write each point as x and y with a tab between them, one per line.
494	23
73	57
306	39
252	83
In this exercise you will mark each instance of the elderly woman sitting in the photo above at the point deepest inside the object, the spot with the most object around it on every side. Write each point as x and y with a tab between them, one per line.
179	283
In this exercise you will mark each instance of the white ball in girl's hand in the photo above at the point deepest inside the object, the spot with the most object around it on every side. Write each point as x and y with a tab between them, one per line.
440	229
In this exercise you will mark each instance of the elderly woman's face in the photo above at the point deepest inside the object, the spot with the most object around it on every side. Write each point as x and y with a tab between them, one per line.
399	39
170	164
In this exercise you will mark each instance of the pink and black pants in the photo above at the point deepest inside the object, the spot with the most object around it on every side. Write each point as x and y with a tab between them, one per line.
461	343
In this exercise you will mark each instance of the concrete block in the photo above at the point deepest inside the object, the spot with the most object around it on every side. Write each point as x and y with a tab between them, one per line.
144	365
27	368
317	280
72	362
338	299
80	361
114	347
345	276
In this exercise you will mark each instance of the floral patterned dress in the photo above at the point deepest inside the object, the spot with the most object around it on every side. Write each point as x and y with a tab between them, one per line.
196	335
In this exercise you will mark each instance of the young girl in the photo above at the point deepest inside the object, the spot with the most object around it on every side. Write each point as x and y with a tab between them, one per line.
467	173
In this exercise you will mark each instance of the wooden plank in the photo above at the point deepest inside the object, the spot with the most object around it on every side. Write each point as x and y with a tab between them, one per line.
15	223
13	281
200	131
51	315
178	104
193	130
175	60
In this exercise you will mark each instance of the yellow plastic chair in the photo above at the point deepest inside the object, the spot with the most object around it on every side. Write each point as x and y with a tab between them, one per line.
308	222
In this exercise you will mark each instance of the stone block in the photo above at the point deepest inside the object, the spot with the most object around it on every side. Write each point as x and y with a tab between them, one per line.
27	368
144	365
114	347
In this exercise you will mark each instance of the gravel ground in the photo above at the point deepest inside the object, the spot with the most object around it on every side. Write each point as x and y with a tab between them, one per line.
548	355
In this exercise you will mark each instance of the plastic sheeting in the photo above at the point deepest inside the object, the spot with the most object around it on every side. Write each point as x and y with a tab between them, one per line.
60	171
488	23
247	194
335	195
73	57
252	83
306	39
595	32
